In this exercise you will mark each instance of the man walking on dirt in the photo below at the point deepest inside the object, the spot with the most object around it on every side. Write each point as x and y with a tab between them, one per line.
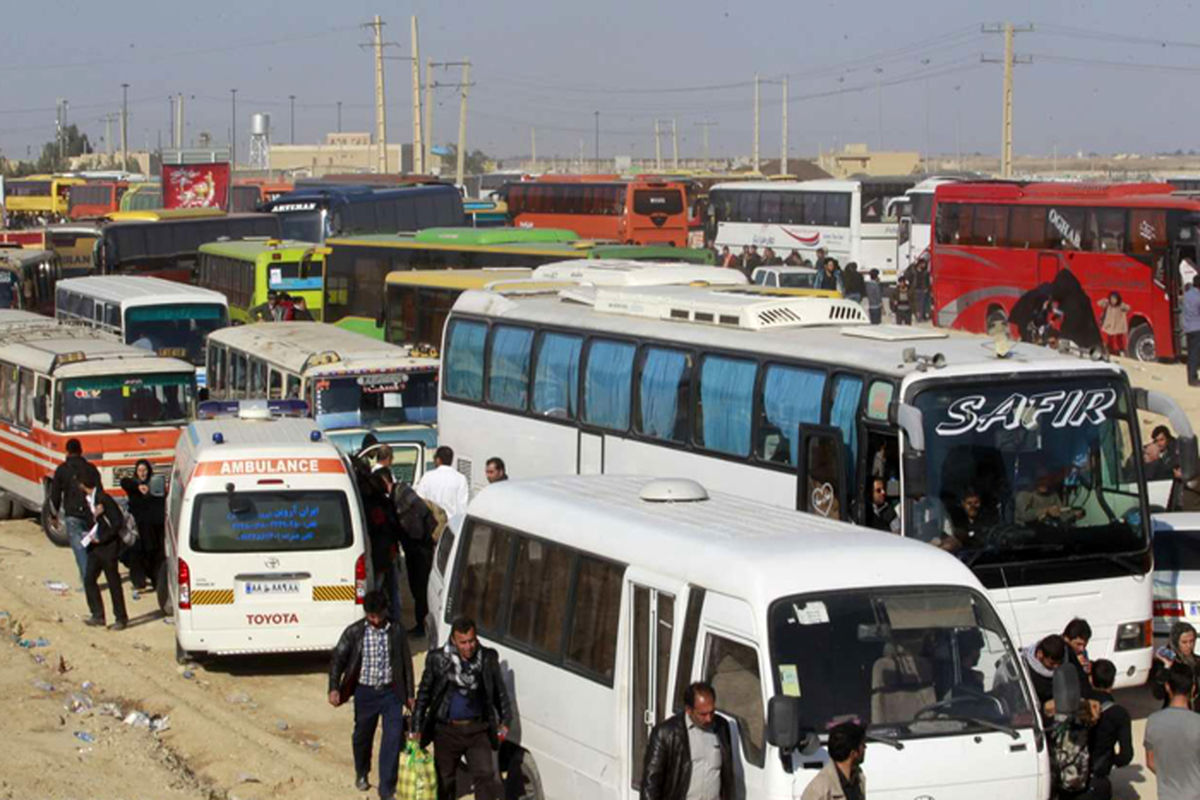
68	503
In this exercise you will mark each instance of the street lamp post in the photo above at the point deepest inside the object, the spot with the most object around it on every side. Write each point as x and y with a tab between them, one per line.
292	100
124	126
233	131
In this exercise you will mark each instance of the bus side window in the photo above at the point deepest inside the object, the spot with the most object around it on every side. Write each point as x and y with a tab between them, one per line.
25	400
41	402
293	389
239	377
258	377
275	388
9	388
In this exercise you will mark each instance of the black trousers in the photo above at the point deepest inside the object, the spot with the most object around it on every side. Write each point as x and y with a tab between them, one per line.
1193	354
452	742
103	558
146	557
418	561
369	705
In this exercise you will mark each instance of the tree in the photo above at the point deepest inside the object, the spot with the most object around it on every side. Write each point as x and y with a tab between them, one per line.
74	143
475	163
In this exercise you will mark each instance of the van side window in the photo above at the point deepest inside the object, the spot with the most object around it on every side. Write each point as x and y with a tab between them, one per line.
275	387
732	669
541	583
481	580
592	640
9	387
444	546
25	405
293	390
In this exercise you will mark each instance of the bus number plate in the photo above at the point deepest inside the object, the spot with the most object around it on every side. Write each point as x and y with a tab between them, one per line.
272	587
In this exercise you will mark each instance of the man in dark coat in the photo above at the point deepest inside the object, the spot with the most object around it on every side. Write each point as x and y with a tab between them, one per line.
690	755
67	502
103	544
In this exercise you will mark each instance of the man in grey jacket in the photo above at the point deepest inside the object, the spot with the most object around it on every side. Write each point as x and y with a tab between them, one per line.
842	777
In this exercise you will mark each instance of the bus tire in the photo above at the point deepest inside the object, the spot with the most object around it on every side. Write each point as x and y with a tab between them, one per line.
1141	343
995	316
6	507
54	529
522	779
162	591
19	511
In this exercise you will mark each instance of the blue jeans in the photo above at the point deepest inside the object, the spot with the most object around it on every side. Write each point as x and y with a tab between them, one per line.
369	705
76	528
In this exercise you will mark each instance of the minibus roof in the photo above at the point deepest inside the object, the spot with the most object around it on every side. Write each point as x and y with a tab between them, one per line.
269	438
301	346
724	543
139	290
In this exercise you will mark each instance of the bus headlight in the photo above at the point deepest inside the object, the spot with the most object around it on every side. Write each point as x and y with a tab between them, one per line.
1135	635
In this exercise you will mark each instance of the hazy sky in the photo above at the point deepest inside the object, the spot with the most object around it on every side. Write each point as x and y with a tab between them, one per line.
550	64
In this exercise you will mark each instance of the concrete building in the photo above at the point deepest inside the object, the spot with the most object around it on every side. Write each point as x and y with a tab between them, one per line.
339	153
857	159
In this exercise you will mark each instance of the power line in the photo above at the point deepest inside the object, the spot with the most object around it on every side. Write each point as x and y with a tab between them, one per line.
1130	65
1120	38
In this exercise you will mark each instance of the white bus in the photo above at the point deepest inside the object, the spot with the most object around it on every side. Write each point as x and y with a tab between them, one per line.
265	543
617	592
914	212
846	218
165	317
797	402
353	384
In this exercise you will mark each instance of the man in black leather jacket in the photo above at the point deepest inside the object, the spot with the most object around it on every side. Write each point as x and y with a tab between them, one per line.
381	684
463	708
668	772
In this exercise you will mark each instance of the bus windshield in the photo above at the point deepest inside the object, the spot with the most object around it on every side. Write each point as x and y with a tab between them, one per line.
370	400
115	401
261	521
1030	470
177	330
303	226
904	662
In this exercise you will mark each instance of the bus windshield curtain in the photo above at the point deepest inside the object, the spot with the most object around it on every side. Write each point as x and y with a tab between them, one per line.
662	373
508	378
791	397
556	377
464	360
844	415
726	400
607	384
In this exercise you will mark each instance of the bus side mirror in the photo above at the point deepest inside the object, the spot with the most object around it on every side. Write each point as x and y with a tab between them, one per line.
785	729
1165	405
910	420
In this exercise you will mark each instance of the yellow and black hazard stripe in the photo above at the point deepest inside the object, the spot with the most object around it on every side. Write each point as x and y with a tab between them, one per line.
333	594
212	597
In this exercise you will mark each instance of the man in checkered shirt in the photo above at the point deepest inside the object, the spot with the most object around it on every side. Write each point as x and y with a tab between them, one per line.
372	664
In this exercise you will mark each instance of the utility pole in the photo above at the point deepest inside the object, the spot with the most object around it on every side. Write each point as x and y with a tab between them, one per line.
783	158
704	126
108	121
339	124
657	148
597	115
124	126
58	126
292	102
418	143
754	157
674	145
462	124
233	132
171	119
380	106
533	149
179	134
1008	29
879	107
428	117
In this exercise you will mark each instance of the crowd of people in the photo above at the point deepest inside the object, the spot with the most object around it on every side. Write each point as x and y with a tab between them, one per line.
283	307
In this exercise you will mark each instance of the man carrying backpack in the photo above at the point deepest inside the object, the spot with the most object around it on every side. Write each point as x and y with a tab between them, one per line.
1111	739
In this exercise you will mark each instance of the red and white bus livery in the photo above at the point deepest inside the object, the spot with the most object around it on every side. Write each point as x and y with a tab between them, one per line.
59	382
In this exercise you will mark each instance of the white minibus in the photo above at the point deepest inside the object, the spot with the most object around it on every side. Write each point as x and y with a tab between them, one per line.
165	317
607	595
265	541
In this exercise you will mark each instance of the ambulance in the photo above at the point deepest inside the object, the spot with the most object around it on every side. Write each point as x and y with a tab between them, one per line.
266	544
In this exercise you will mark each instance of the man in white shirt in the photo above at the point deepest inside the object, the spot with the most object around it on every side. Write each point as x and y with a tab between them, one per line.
445	485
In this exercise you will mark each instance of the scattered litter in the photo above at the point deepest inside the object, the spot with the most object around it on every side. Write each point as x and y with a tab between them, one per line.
246	777
312	744
84	736
38	659
137	595
63	666
237	698
111	710
145	648
138	719
281	725
45	687
57	586
160	724
188	674
78	702
31	643
87	686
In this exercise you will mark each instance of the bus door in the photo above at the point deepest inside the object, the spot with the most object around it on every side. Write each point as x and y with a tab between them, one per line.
651	635
1176	284
821	479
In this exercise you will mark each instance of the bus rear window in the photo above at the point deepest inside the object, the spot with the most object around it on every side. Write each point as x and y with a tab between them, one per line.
268	522
657	201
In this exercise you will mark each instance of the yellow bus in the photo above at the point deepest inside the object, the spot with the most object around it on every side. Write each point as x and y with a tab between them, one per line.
38	199
247	270
160	214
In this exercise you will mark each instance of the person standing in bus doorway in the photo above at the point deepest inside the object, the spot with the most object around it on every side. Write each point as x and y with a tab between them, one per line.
103	543
444	485
1191	329
463	708
69	504
874	292
842	777
372	664
496	471
690	755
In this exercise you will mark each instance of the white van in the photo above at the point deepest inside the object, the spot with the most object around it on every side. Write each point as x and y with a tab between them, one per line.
265	541
607	595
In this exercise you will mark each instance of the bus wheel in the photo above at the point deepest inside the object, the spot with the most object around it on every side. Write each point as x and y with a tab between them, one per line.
54	529
1141	343
6	507
162	591
995	316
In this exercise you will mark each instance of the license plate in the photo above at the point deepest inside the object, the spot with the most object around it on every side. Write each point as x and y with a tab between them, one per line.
271	588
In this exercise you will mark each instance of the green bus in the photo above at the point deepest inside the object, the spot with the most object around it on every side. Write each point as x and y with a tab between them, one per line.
245	271
357	267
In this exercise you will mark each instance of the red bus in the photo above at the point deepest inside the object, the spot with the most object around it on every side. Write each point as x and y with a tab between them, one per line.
632	212
998	248
95	199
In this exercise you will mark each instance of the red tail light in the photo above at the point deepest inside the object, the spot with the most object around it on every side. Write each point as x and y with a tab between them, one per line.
1168	608
185	586
360	579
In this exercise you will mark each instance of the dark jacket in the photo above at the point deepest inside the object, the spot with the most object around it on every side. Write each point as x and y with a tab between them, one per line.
147	509
65	495
668	765
346	663
433	696
417	522
111	519
1111	738
853	283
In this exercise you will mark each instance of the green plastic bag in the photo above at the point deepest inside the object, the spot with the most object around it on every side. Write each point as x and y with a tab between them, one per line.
418	775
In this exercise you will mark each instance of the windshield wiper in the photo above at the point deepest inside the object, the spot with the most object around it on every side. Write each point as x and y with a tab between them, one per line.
890	741
983	723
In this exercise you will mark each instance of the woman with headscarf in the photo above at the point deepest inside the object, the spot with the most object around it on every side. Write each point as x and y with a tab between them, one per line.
1181	650
149	512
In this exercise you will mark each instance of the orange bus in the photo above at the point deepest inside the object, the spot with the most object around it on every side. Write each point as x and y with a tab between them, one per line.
602	207
94	199
59	382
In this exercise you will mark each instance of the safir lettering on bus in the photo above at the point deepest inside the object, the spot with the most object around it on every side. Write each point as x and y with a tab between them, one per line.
254	466
1061	224
1064	409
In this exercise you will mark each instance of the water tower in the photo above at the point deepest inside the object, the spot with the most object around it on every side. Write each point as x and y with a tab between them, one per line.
260	140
